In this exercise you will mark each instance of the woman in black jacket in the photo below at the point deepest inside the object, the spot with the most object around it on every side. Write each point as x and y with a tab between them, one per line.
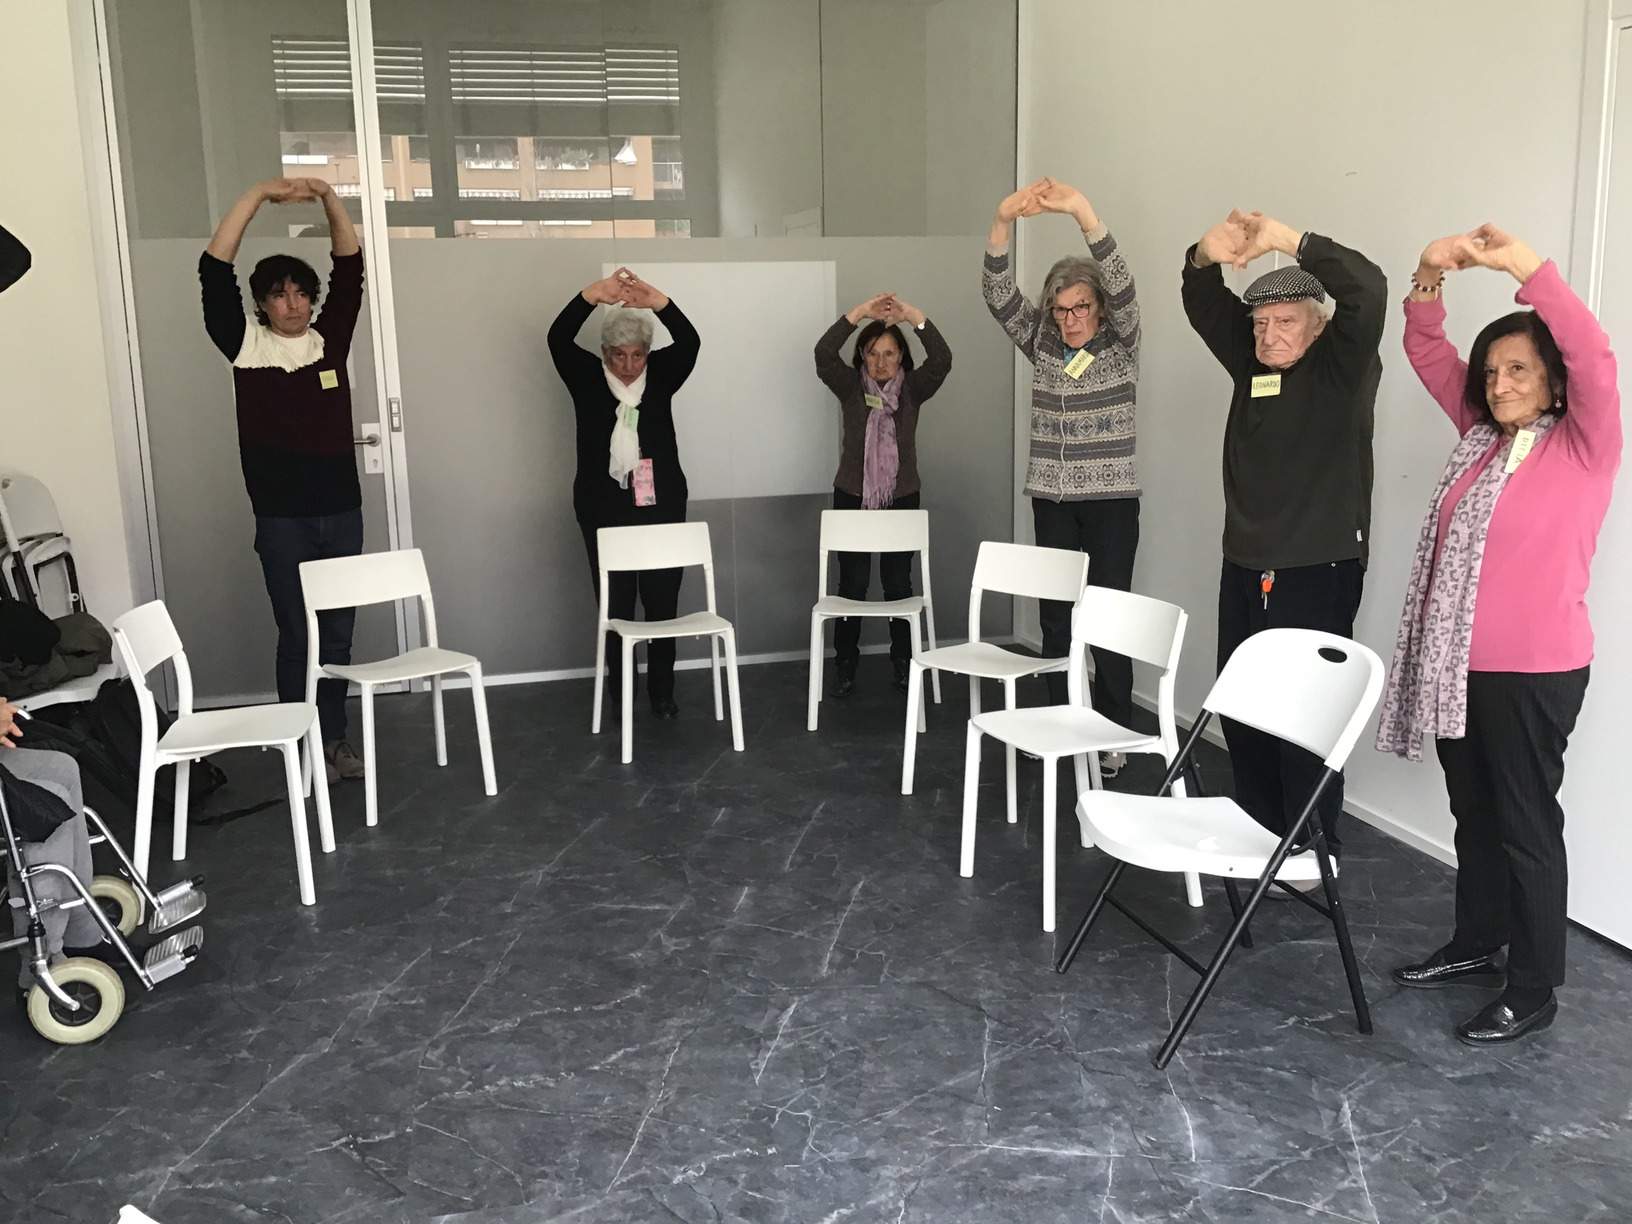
628	461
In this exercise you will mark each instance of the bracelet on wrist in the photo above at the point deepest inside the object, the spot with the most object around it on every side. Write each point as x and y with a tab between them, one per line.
1422	288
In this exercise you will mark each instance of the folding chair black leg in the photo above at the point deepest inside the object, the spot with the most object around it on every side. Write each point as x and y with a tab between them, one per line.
1234	895
1340	924
1091	917
1209	979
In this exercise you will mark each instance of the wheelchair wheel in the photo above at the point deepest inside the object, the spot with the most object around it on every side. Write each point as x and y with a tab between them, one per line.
119	901
94	986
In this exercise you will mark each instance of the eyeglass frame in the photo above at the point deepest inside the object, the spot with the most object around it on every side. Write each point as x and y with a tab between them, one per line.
1080	311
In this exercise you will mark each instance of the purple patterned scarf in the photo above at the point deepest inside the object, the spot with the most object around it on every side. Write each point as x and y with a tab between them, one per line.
1427	692
881	458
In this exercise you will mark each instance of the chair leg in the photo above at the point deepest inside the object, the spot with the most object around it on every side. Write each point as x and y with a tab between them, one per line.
600	678
1215	968
813	692
144	812
371	775
297	823
320	787
178	831
1051	771
1340	923
1079	767
1192	892
438	722
971	786
929	627
1010	786
736	689
1091	917
934	675
1234	894
714	661
909	748
1186	785
1094	780
627	645
484	736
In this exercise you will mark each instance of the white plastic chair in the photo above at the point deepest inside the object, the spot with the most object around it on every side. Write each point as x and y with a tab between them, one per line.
1006	569
1147	631
376	578
1313	689
146	638
31	538
870	531
654	547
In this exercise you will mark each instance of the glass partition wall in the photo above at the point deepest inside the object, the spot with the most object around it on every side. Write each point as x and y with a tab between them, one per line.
769	163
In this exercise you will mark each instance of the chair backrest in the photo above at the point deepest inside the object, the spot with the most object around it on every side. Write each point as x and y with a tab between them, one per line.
654	546
146	638
367	578
1144	629
1313	689
26	509
1030	571
875	531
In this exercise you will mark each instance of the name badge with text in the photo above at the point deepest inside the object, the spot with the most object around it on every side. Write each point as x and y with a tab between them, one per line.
328	379
873	402
645	487
1522	442
1265	384
1075	367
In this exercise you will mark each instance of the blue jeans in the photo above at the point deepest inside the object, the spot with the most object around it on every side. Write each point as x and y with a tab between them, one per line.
282	544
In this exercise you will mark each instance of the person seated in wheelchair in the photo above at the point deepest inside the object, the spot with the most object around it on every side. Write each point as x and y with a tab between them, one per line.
42	792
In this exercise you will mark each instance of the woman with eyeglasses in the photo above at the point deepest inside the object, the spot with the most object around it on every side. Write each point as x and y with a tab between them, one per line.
880	390
1082	338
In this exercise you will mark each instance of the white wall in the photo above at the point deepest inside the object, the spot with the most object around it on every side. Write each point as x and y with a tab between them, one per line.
55	421
1383	125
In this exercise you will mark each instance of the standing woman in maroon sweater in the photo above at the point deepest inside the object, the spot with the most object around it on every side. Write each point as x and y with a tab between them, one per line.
294	429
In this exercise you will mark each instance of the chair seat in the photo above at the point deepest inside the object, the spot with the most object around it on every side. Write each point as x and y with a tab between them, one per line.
838	605
410	665
693	624
1055	731
988	661
1213	836
244	727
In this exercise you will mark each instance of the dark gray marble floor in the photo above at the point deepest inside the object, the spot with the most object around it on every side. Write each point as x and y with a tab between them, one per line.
721	987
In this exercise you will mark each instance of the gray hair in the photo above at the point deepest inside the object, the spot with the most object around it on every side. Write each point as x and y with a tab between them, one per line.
620	326
1072	270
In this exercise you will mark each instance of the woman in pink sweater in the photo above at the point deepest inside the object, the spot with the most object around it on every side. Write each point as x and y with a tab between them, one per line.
1494	641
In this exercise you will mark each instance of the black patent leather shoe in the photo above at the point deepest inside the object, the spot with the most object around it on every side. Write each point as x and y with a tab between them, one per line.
664	708
1497	1024
844	677
902	667
1441	969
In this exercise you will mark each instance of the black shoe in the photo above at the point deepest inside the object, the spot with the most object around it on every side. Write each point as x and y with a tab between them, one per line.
664	708
1444	969
902	668
1497	1024
844	677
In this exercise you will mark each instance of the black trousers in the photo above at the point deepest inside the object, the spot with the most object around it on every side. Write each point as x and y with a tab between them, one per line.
1512	880
659	592
856	575
1108	531
282	544
1273	779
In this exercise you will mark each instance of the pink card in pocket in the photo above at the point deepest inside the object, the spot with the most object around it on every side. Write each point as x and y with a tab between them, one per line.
645	488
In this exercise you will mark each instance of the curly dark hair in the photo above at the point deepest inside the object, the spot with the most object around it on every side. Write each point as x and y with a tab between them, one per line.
1519	323
272	271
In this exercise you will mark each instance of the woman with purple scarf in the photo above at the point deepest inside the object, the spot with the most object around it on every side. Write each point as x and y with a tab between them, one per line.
880	391
1494	642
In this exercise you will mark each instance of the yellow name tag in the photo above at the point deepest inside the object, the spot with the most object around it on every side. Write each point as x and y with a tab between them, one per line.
328	379
873	402
1079	363
1265	384
1522	442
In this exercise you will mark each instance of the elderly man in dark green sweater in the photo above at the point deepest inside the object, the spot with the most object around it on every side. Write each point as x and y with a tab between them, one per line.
1297	463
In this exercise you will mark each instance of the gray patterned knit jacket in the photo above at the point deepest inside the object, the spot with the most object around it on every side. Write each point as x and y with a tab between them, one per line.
1082	430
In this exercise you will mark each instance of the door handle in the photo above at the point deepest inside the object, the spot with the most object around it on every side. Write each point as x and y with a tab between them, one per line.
372	439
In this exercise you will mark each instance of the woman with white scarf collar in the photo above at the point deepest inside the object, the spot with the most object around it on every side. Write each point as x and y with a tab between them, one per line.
629	469
1494	642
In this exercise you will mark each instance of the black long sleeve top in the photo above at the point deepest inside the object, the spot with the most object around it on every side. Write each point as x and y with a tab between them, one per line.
1298	465
596	497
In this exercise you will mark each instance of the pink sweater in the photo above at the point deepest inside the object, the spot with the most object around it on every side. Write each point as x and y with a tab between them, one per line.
1531	614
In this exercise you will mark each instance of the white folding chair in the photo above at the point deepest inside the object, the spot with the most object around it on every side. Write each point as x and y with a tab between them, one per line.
1313	689
147	638
32	538
870	531
1005	569
376	578
1147	631
655	547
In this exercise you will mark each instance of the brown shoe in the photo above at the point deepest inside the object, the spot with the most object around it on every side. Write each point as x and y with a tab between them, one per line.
344	763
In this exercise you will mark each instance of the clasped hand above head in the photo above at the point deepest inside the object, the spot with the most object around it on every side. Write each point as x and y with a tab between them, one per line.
624	288
1242	237
1484	247
888	309
1045	195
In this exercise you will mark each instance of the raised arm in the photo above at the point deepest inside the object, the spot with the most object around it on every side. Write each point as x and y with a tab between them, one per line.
570	359
924	380
1359	296
675	361
342	234
1009	307
1441	370
1216	314
230	232
837	375
14	259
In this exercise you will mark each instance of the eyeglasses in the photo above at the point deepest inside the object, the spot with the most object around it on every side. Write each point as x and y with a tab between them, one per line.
1080	311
